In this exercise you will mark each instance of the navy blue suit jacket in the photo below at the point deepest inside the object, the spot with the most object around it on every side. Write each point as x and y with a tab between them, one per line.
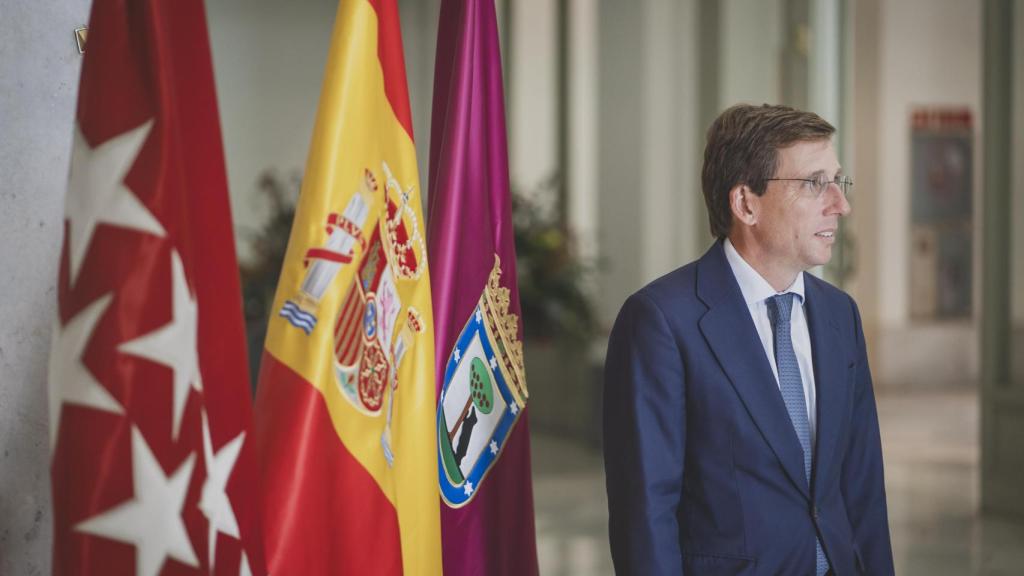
704	470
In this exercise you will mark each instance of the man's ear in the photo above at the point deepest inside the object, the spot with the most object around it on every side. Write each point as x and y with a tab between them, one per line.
744	204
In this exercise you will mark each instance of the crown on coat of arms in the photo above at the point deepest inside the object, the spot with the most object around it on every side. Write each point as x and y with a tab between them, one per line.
401	230
505	326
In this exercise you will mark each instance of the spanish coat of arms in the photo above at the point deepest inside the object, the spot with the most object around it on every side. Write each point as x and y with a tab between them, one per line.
372	329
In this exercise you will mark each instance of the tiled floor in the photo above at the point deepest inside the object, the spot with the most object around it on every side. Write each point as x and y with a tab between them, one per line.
932	458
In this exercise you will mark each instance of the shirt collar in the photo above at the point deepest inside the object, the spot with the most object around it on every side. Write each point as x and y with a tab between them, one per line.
754	287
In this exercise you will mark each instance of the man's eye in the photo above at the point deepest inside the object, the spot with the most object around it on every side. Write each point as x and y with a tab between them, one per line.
820	183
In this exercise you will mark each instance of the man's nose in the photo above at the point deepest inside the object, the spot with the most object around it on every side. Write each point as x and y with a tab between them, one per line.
840	203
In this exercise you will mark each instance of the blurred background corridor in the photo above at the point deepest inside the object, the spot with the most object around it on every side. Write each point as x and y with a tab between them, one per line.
607	103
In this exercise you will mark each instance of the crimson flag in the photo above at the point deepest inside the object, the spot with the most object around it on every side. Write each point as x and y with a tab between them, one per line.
153	470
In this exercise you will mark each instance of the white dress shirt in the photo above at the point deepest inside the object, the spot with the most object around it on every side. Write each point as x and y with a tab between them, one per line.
756	291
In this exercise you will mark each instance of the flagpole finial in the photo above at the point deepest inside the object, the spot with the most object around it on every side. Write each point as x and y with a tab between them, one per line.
80	35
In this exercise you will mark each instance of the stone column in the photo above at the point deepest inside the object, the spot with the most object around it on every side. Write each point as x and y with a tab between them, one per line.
1002	398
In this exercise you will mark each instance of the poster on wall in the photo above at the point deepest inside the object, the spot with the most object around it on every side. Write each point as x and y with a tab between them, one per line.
942	207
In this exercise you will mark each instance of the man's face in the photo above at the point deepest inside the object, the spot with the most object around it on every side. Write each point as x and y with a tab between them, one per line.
796	228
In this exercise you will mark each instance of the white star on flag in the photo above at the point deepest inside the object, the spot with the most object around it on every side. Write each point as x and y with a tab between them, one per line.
70	382
494	447
97	194
468	488
514	408
151	521
214	502
479	316
175	344
493	363
457	354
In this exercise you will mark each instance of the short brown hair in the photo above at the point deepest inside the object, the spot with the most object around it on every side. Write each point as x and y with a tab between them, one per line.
742	148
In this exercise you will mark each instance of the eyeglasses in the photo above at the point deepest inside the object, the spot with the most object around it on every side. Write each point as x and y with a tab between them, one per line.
820	184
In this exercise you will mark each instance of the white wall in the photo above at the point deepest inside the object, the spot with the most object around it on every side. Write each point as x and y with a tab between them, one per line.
39	65
930	54
862	158
268	60
824	61
673	205
648	167
750	45
584	128
419	43
532	91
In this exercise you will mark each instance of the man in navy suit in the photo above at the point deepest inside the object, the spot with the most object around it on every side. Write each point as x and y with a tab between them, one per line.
740	428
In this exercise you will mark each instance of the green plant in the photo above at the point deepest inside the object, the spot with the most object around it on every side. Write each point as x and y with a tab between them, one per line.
552	277
261	270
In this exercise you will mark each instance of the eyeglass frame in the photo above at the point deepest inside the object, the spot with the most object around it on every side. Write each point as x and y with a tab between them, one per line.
844	183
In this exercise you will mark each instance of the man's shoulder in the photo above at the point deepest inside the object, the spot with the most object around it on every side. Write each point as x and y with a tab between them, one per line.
671	293
682	280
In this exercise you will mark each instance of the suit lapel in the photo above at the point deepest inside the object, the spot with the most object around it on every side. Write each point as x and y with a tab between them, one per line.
830	372
732	337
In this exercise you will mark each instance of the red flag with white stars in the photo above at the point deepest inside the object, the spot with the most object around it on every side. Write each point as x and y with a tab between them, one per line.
153	467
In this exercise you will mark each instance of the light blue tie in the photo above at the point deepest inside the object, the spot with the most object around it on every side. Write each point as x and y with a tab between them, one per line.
780	308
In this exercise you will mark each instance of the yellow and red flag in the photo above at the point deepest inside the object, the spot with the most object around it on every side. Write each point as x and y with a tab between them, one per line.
345	403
